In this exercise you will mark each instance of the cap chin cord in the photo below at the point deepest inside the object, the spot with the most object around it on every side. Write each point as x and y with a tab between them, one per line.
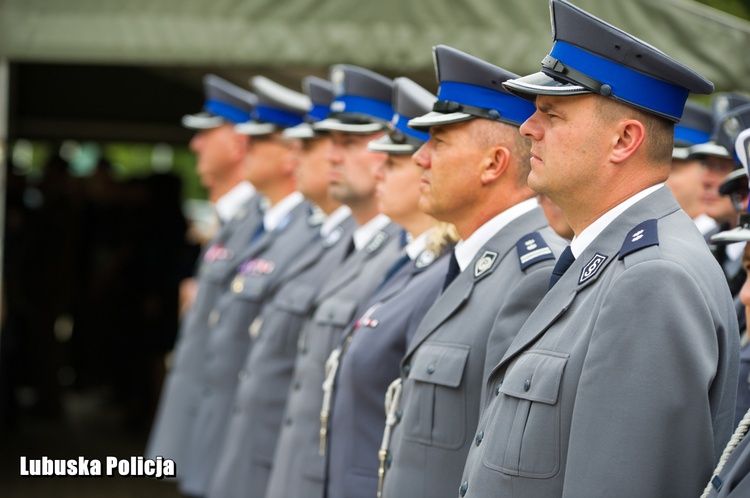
557	70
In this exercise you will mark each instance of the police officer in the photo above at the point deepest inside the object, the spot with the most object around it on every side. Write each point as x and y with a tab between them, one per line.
731	478
270	162
220	154
622	382
719	165
359	113
368	357
686	175
474	166
247	450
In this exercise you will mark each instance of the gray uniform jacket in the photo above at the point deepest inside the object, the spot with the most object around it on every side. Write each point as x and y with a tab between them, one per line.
622	383
369	363
298	467
181	391
229	336
443	369
249	442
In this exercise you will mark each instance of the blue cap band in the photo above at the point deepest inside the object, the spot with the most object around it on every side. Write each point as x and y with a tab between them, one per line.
691	136
354	104
628	85
401	125
226	111
318	112
276	116
509	106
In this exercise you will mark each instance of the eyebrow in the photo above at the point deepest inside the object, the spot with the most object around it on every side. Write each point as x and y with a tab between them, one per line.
547	107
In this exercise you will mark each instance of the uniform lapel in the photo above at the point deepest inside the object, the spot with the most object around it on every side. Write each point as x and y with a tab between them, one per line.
587	270
353	265
459	291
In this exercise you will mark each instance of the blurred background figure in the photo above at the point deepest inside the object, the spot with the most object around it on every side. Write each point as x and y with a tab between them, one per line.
555	217
732	476
719	163
686	176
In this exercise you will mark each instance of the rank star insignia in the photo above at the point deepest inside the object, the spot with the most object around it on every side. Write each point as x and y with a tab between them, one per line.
484	263
592	267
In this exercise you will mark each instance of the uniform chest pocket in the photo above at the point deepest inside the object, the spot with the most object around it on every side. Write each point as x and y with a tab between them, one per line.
330	319
217	272
436	405
522	434
250	288
297	300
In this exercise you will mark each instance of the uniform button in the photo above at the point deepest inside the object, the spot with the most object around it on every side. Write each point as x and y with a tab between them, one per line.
480	436
407	368
238	284
527	385
399	414
464	488
297	385
288	421
213	317
242	375
431	369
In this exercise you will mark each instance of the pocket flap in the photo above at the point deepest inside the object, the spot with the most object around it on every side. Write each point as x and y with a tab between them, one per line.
336	311
297	299
440	363
536	376
254	288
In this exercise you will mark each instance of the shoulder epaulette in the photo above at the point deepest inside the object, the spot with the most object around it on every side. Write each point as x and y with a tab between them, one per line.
645	234
532	249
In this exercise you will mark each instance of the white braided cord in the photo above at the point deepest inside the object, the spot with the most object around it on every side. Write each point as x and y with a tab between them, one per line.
736	439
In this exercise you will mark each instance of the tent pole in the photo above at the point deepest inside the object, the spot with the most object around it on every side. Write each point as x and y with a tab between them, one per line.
4	93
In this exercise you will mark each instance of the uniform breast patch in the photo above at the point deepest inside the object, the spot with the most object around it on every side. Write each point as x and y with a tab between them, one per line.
484	263
592	267
378	240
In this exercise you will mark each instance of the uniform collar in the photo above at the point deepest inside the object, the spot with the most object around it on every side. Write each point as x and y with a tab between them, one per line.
229	203
273	216
363	234
418	245
334	219
591	232
467	249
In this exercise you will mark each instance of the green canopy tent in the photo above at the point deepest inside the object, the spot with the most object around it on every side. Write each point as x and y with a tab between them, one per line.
176	41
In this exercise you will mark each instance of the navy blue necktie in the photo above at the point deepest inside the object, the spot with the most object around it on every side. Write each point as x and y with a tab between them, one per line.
563	263
259	232
453	270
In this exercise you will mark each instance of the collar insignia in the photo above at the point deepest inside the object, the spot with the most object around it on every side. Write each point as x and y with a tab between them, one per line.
592	267
484	263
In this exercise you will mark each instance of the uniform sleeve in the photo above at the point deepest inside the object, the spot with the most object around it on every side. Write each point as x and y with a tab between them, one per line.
642	422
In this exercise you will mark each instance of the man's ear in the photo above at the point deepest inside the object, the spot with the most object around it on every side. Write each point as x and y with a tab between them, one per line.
494	164
630	136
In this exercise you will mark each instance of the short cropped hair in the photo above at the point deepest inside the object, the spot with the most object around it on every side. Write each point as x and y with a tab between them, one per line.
659	140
